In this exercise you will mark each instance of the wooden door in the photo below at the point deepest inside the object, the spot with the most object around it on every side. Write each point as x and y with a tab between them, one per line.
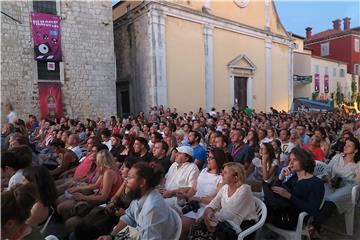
240	92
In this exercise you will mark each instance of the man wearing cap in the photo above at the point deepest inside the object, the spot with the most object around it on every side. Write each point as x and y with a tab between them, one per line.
182	175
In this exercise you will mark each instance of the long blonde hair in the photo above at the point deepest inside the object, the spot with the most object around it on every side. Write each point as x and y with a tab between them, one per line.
104	159
238	170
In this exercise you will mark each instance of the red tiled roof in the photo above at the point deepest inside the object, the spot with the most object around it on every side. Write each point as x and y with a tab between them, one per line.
324	34
330	33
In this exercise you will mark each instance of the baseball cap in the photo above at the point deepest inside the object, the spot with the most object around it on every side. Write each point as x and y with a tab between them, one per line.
185	149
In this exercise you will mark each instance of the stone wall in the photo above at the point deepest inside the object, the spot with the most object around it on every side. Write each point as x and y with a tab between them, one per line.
18	83
134	61
88	88
88	53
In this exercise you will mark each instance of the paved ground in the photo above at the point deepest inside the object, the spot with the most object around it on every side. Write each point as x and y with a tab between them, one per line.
334	229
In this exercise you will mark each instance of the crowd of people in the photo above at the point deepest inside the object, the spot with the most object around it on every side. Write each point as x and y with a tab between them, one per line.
143	176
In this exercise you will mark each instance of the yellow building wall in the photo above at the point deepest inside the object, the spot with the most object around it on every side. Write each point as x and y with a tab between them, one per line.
280	76
227	46
275	23
253	14
185	64
193	4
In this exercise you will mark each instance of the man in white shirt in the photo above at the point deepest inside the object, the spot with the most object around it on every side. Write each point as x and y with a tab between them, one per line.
182	175
106	137
11	117
73	142
286	146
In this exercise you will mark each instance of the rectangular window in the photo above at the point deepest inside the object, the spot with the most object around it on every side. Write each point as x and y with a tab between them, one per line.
317	70
45	72
325	49
334	72
342	72
357	69
357	45
326	70
45	6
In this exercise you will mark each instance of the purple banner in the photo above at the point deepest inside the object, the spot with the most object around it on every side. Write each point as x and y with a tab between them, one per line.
46	36
317	82
326	83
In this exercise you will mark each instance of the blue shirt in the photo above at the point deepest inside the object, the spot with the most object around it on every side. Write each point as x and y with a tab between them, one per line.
152	217
199	153
305	139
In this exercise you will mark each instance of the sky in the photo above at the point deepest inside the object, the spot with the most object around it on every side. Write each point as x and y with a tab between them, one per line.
296	15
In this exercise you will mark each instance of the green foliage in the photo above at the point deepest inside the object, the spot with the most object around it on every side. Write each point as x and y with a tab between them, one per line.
315	96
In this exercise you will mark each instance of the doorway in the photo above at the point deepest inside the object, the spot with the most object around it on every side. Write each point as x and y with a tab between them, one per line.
123	99
240	92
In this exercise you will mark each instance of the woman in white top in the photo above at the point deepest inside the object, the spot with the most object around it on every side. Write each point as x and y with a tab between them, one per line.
233	203
207	185
263	168
341	177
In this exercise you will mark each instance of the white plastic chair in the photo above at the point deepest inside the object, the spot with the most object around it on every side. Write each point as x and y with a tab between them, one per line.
179	227
349	215
51	237
301	229
47	221
261	212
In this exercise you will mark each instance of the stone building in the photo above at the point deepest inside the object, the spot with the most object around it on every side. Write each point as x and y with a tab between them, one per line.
87	70
191	54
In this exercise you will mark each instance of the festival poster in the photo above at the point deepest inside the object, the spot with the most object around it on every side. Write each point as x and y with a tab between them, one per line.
46	37
326	83
50	100
317	82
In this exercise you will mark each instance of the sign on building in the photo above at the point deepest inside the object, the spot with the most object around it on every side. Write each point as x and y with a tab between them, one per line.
317	82
46	37
50	100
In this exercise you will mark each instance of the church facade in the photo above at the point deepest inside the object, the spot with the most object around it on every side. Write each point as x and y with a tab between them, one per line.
191	54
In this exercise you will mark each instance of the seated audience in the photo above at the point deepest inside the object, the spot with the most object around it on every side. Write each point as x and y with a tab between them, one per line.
101	220
340	179
105	187
40	177
263	168
205	189
233	208
16	205
181	177
315	149
302	192
159	156
65	160
148	214
13	163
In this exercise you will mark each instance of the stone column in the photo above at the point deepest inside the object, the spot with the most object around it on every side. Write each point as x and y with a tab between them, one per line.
249	92
209	62
268	82
291	74
231	90
158	47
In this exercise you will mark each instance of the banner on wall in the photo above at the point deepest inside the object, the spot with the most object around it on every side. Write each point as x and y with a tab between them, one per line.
46	37
326	83
317	82
50	100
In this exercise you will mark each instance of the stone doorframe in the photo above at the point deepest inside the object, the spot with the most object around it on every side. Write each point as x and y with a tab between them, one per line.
241	66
